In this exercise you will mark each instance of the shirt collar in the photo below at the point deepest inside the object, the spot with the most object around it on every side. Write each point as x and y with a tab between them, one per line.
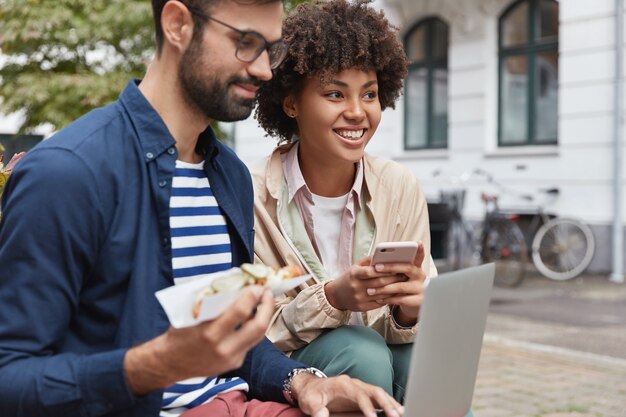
358	184
154	136
296	182
293	174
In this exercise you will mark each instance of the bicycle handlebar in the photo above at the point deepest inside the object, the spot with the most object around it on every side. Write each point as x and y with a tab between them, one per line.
466	175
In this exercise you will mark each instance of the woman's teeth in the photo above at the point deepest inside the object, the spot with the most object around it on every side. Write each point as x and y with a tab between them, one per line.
351	134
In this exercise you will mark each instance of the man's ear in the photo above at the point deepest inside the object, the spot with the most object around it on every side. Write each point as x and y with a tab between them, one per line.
177	25
289	106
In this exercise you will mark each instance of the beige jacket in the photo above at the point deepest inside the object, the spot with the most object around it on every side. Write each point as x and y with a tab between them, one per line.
397	213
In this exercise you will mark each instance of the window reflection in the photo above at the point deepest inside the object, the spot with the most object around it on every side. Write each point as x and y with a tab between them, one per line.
440	108
415	45
515	26
547	96
528	56
426	87
514	100
416	97
439	39
548	19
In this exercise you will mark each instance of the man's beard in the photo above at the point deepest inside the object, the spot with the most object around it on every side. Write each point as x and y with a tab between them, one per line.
207	92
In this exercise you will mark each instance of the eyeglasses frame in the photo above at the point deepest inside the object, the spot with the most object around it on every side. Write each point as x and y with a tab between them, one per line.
242	33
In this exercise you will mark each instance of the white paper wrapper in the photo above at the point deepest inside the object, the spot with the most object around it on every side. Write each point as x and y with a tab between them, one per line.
178	300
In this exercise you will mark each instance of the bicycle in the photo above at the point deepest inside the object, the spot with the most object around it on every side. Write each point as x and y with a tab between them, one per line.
503	242
561	248
500	239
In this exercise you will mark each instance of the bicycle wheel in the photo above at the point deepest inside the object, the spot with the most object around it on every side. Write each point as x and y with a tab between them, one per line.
563	248
503	243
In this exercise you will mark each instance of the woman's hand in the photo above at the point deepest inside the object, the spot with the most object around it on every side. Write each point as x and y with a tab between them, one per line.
407	293
350	290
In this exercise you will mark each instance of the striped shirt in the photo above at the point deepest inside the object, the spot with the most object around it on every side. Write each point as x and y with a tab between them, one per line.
200	246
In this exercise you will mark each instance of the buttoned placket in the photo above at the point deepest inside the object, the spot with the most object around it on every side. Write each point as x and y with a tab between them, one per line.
161	168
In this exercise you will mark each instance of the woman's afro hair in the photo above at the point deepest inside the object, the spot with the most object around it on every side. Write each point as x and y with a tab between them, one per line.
325	38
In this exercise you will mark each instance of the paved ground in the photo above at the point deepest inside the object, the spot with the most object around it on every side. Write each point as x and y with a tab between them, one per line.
554	349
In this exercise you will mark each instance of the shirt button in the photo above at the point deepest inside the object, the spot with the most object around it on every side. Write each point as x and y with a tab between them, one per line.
149	155
171	151
166	240
162	183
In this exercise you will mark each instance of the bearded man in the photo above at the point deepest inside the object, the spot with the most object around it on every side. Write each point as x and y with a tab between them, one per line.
124	202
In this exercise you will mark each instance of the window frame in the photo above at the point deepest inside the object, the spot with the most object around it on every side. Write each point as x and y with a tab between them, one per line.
430	64
531	49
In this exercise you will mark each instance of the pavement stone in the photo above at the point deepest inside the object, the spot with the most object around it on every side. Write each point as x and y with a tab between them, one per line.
554	349
563	384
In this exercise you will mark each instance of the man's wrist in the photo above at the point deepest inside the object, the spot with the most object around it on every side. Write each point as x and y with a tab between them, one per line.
296	379
144	371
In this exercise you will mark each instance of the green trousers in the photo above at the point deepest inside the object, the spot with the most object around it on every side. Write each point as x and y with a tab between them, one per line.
361	353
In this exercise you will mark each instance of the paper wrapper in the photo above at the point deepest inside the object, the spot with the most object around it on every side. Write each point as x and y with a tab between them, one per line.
178	300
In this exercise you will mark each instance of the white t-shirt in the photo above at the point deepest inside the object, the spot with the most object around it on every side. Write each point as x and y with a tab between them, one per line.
327	213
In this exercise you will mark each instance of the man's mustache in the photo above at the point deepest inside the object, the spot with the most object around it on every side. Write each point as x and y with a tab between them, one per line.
246	80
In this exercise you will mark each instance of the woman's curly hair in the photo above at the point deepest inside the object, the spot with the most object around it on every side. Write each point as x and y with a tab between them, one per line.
324	38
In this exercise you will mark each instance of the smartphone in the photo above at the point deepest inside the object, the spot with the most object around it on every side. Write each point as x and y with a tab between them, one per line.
394	252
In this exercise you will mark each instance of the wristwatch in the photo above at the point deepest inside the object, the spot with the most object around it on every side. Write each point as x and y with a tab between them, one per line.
287	392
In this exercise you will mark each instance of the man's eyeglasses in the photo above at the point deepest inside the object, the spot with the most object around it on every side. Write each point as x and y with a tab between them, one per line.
251	44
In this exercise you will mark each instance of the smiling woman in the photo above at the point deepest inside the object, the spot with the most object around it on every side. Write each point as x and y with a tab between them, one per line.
322	202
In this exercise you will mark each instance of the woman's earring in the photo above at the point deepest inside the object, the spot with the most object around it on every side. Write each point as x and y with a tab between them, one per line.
292	115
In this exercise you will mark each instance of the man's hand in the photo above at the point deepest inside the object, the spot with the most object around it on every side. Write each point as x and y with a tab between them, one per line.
349	291
317	397
207	349
407	294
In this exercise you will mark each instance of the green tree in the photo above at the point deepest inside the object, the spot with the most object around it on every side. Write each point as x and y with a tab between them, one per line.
66	57
63	58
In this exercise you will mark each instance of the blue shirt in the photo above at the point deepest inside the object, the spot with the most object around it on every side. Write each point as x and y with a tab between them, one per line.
85	243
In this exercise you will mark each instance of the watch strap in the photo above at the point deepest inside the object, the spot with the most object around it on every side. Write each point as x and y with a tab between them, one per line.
287	388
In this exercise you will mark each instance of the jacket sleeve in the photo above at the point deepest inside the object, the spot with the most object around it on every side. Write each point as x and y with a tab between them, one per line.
411	223
301	319
383	322
48	240
265	369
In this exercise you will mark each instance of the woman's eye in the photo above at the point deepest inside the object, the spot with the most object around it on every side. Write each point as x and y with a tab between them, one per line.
371	95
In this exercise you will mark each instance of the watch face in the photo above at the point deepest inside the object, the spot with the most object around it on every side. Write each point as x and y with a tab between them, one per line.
316	372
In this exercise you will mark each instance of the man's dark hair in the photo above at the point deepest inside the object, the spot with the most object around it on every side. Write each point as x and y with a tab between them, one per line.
325	38
204	6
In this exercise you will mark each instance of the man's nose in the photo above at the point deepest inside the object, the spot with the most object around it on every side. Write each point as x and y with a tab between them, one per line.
260	67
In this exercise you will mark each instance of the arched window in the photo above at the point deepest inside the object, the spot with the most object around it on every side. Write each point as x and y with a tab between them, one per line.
529	68
426	87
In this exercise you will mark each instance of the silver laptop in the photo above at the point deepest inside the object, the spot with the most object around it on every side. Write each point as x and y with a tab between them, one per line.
444	360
